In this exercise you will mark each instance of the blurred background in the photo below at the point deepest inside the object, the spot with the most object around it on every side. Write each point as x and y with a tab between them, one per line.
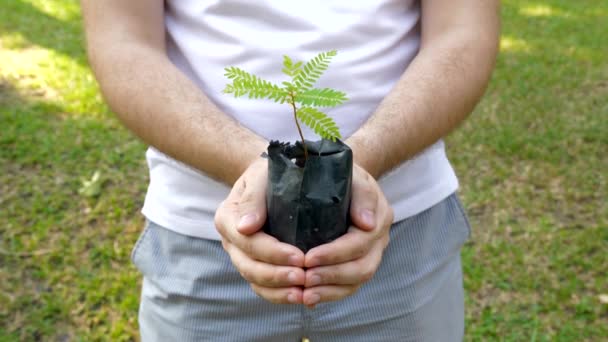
532	161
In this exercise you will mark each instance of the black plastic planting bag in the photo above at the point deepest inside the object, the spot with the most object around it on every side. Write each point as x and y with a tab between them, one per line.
309	205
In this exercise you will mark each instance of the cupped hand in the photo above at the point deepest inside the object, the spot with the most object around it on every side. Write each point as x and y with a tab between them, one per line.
338	269
273	269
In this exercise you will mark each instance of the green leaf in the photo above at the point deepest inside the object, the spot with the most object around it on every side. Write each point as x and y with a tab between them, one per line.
290	68
312	70
319	122
325	97
92	187
300	90
244	83
289	87
287	62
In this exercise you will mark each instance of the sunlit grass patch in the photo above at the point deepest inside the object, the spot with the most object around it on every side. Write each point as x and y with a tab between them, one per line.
66	10
508	43
540	10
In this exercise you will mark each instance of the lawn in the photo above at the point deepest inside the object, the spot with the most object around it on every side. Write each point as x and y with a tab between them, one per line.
532	162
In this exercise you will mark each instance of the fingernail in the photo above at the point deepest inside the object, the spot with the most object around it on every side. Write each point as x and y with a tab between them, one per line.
368	217
315	280
247	220
292	277
313	299
292	298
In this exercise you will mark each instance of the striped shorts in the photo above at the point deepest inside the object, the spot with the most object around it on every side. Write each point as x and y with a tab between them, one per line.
192	292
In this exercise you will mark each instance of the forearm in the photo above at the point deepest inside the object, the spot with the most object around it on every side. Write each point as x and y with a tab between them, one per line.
168	111
155	100
437	92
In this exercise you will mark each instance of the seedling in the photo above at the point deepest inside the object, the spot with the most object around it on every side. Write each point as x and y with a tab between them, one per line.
299	93
308	196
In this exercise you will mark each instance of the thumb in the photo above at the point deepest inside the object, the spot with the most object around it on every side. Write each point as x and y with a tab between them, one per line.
364	201
252	203
250	223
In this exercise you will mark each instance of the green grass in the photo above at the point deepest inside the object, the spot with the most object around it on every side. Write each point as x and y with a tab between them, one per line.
532	162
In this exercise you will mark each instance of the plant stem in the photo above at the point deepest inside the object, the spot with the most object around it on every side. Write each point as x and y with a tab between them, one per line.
295	117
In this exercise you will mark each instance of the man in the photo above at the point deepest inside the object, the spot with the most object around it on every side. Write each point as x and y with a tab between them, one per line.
413	71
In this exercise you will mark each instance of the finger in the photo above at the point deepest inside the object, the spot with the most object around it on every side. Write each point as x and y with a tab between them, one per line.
264	274
350	273
259	246
225	217
327	293
265	248
251	190
281	295
364	202
350	246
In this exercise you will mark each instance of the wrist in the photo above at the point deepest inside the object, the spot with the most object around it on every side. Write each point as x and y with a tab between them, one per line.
248	155
255	151
362	155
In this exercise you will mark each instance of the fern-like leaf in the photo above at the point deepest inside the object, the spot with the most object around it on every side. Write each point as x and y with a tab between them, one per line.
290	68
319	122
244	83
312	70
325	97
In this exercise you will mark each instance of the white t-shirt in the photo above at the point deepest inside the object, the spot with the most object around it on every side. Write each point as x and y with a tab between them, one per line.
376	40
